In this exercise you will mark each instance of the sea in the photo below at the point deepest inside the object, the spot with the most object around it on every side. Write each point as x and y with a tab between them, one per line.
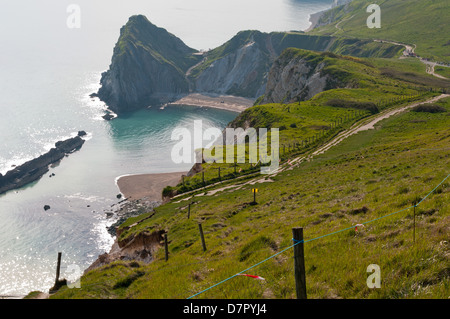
48	69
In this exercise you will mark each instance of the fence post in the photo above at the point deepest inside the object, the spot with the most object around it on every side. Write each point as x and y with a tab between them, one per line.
189	211
299	263
202	236
414	227
58	268
166	246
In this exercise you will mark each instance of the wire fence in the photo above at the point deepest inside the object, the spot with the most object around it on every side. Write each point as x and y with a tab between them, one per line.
317	238
292	147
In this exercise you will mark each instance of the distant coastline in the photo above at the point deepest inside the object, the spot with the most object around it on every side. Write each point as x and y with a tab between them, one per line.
314	19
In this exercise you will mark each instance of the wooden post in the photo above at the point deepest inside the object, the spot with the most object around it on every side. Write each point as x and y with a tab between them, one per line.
166	246
58	268
254	190
202	237
189	210
203	178
219	174
414	228
299	263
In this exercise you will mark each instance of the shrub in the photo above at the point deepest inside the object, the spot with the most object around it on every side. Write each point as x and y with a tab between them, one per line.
429	108
369	106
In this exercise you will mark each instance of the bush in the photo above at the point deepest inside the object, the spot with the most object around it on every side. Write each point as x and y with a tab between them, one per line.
293	125
127	281
429	108
169	191
368	106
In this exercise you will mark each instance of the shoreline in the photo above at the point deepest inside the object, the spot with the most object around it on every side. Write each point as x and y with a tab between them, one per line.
224	102
314	19
150	186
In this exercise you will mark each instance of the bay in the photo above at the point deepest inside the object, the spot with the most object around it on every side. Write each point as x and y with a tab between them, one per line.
47	72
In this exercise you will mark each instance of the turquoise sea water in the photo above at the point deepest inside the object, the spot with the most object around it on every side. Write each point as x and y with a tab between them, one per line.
47	72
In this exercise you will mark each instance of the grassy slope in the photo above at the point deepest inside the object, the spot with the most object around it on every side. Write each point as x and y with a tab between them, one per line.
298	122
160	44
384	170
421	22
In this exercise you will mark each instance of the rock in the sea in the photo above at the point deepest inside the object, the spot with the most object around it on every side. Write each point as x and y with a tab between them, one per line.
148	67
82	133
108	117
46	207
36	168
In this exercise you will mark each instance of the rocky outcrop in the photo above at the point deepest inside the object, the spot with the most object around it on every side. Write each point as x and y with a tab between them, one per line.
138	248
337	3
148	67
239	73
151	67
295	77
36	168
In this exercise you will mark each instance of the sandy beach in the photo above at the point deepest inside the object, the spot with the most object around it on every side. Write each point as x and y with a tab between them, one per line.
314	19
224	102
150	186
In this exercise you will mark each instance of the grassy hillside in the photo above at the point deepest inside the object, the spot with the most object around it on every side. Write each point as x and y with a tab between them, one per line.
372	85
370	175
421	22
371	178
160	44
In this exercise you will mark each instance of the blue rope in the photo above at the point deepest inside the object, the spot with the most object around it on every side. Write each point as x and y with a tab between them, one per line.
433	190
296	242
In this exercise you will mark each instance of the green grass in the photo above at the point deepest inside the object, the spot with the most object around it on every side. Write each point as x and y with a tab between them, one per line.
421	22
382	83
384	170
441	70
160	44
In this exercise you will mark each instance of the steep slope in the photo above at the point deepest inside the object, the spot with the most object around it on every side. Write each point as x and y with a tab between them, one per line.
421	22
148	66
237	68
241	65
371	175
298	75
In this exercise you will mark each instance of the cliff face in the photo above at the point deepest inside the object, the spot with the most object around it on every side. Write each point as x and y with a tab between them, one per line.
241	72
295	80
148	67
298	76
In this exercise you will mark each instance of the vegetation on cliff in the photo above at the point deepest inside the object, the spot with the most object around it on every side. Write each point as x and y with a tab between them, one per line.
148	67
416	22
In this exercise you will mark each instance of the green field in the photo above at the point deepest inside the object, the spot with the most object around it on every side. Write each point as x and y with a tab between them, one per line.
420	22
